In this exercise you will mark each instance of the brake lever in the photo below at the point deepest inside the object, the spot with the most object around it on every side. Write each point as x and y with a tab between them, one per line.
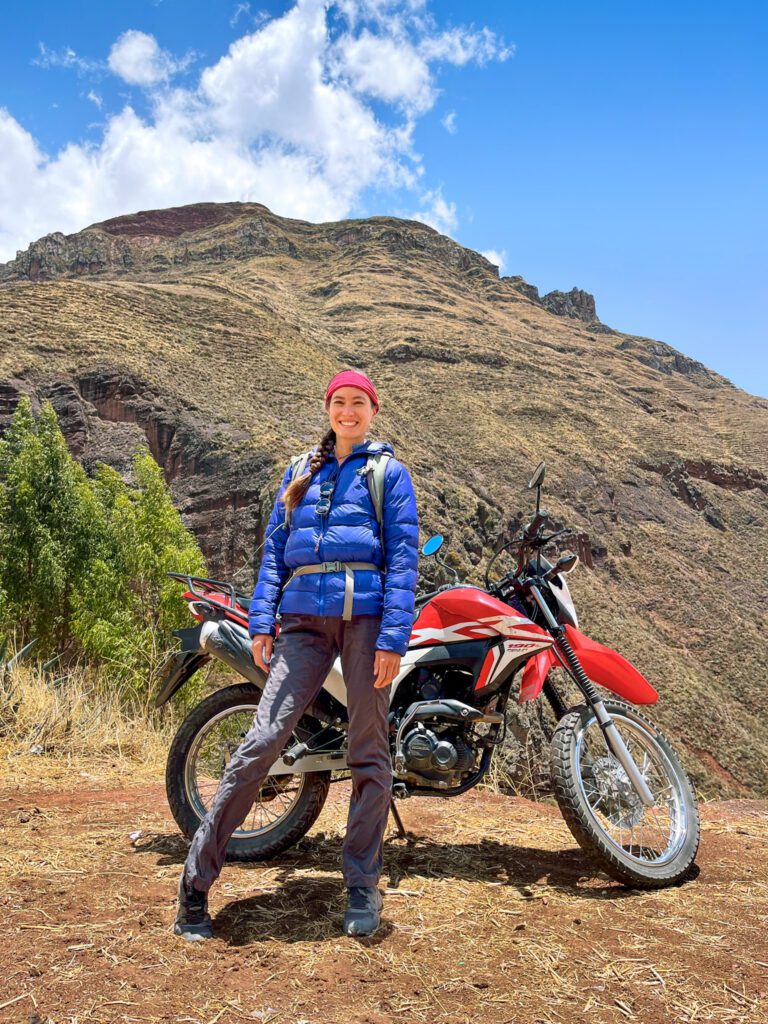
551	537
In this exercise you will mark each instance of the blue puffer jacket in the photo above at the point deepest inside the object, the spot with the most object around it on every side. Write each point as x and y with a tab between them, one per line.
349	533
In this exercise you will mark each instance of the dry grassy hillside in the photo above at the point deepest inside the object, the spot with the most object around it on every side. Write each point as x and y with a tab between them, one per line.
212	330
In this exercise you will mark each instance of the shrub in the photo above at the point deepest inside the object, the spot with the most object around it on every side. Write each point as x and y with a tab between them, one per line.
83	561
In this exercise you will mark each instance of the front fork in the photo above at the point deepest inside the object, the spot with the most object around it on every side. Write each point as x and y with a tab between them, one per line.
613	737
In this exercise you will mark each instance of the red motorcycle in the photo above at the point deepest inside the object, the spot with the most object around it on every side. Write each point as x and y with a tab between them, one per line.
619	783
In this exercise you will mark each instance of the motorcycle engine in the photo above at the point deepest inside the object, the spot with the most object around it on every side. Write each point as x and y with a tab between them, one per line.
440	757
438	752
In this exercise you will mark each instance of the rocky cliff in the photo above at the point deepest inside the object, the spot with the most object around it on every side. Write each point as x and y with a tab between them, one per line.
209	332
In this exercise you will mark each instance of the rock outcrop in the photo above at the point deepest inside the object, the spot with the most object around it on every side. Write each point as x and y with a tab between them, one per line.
155	241
577	304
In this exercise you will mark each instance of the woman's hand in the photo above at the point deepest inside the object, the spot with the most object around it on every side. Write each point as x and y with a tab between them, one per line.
261	648
386	665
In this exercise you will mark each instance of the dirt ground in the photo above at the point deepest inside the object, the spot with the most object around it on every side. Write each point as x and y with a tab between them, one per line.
494	915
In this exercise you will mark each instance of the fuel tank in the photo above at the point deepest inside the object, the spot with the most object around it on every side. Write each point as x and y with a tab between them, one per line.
469	613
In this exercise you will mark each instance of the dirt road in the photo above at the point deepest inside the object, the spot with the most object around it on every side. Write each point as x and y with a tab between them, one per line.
494	915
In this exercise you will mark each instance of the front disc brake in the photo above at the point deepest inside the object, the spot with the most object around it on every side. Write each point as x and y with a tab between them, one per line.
617	797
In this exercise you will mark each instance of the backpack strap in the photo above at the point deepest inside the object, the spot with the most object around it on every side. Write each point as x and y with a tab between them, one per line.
374	469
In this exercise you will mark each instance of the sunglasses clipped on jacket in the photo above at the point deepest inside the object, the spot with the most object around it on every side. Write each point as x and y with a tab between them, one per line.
323	506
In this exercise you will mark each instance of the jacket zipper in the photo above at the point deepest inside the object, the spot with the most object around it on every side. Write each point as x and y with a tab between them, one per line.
335	477
318	546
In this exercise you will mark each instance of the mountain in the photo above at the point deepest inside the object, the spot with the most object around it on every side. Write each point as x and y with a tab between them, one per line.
210	332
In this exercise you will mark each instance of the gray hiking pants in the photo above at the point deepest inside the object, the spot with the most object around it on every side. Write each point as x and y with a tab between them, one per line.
301	659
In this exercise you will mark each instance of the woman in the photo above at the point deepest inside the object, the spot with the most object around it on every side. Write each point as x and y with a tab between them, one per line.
332	520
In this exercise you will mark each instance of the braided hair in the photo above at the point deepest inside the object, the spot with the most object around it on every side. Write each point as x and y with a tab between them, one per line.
297	488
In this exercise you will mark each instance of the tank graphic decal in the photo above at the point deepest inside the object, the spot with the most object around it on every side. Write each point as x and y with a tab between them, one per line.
504	625
502	656
446	634
468	613
515	620
512	625
487	671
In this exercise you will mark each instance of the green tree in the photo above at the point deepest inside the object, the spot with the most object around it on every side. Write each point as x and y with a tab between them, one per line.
126	607
50	528
83	562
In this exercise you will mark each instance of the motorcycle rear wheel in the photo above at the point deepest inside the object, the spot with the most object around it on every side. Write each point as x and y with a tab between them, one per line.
645	848
285	807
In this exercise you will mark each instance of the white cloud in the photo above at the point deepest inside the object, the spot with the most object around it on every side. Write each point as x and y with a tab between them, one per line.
391	16
393	63
460	46
284	118
439	214
95	98
66	58
244	8
499	259
272	85
449	122
389	69
137	58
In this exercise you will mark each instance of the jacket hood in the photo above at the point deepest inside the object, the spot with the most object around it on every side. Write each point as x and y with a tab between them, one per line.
369	447
373	446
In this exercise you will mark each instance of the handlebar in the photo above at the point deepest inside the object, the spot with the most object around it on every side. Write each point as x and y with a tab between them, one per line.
551	537
535	525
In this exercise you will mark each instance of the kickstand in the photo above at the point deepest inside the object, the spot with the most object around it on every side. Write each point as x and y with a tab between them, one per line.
401	831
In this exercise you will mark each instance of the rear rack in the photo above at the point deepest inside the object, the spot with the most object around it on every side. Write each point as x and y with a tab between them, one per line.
204	589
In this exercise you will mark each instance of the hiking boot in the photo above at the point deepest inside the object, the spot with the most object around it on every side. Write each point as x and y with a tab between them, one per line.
193	922
362	913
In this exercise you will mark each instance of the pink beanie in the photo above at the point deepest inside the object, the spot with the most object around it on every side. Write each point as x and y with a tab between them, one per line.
353	379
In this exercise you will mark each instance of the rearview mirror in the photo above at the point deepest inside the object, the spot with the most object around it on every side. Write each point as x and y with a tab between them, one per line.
432	545
564	564
538	476
567	562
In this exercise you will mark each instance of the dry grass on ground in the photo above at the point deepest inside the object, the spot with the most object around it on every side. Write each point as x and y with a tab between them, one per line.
492	915
77	725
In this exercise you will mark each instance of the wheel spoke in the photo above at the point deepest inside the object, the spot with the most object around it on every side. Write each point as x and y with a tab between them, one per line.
600	800
646	834
213	749
661	831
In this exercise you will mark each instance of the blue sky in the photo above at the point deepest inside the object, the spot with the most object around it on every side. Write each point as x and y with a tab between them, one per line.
620	148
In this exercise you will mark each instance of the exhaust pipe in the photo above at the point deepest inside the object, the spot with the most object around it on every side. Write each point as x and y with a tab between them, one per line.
231	644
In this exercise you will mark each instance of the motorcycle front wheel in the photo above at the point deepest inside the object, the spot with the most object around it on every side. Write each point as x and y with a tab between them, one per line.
640	846
285	806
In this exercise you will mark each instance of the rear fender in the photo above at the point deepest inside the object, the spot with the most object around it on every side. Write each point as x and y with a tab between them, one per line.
181	665
230	643
604	666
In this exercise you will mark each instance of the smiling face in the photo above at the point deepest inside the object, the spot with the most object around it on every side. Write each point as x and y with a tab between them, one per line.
350	411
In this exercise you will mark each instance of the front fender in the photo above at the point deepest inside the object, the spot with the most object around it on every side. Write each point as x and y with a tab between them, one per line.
603	666
535	674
